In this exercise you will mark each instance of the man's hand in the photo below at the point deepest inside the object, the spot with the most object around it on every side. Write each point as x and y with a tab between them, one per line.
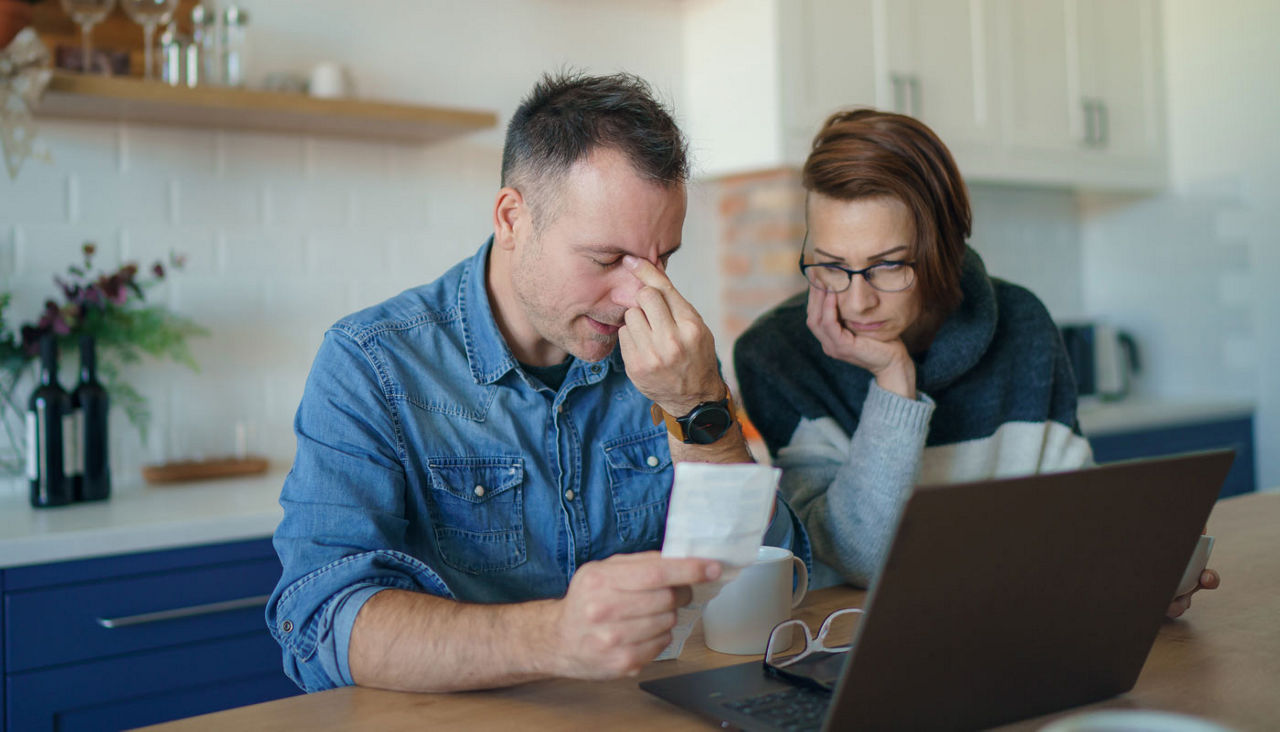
1209	580
670	354
889	362
619	612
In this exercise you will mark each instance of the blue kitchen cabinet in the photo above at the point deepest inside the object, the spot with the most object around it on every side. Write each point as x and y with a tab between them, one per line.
1235	433
139	639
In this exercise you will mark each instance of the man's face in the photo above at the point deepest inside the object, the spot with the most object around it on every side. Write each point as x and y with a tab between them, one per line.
569	278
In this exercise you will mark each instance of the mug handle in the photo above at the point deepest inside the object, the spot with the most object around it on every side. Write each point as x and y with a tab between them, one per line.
802	584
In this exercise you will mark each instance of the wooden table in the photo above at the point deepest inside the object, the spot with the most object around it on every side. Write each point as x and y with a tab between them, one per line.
1222	662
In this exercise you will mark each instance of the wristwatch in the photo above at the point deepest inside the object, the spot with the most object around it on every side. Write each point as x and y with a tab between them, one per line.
703	425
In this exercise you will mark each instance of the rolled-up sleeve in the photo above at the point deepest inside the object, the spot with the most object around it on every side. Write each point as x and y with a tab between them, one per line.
344	510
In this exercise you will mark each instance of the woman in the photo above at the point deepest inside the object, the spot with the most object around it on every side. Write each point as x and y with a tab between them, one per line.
904	363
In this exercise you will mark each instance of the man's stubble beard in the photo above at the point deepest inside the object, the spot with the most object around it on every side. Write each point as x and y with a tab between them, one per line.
545	317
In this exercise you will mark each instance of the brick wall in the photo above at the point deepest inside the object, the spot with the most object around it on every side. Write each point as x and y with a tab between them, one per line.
761	226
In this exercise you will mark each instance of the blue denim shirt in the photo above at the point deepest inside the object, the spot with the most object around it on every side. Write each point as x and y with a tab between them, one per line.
429	461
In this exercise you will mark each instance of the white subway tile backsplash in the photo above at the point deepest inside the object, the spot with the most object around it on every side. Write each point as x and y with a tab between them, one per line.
42	251
83	147
404	205
264	253
309	205
38	196
112	200
282	235
146	244
220	203
358	163
354	253
262	157
159	151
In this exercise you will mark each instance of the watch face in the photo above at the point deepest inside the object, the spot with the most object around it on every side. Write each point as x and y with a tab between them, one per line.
707	424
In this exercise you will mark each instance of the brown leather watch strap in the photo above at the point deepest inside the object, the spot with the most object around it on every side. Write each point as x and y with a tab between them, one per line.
660	415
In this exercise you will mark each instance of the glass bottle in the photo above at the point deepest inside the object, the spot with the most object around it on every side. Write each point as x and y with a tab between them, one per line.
234	22
204	57
51	434
91	401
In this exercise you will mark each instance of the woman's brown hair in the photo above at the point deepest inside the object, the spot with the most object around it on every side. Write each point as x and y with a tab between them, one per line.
863	152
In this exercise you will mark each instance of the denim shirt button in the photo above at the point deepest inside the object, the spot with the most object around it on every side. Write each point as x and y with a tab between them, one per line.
595	368
652	461
287	626
479	491
568	495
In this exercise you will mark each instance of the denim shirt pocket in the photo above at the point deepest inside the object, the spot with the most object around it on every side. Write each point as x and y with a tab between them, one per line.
640	476
478	507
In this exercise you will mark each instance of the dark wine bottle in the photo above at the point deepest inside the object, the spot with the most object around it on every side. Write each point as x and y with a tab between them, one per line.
93	482
49	430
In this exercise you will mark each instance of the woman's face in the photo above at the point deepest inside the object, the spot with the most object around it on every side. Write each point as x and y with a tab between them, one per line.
857	234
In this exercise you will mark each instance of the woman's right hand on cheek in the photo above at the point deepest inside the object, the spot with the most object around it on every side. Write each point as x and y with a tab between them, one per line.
889	362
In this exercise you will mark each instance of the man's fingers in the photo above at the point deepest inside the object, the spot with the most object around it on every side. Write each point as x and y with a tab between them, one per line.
1209	580
636	325
666	573
643	603
653	277
656	309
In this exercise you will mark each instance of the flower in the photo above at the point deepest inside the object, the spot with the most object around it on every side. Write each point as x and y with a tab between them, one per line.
111	307
85	295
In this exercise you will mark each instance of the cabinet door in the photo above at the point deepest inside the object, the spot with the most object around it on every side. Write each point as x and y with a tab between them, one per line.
1120	70
937	66
1236	434
828	62
123	692
1042	107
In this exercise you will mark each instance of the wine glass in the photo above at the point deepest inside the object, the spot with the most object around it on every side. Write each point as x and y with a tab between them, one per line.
149	14
87	14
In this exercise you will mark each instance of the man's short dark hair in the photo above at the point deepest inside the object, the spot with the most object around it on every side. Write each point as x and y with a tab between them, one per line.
568	115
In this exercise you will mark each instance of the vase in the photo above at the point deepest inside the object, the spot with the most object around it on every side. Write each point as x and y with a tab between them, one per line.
14	16
13	437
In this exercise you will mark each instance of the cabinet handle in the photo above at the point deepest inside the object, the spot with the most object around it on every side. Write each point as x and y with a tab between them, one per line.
899	101
1104	123
190	611
913	85
1090	124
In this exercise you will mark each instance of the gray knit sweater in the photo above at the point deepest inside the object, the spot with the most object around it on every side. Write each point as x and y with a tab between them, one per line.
996	398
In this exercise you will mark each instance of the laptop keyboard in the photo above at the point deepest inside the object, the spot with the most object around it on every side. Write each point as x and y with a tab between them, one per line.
796	709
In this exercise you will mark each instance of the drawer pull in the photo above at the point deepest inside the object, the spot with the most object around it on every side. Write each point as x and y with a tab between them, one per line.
185	612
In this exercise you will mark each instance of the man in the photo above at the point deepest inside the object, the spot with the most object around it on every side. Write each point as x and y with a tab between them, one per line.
479	486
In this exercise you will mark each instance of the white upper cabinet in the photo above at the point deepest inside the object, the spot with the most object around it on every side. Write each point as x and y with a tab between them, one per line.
935	66
1063	92
828	57
1084	102
1120	76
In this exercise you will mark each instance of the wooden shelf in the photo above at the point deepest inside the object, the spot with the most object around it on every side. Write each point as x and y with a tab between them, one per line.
74	96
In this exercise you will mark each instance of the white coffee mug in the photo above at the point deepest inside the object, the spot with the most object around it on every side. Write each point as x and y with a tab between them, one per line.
740	618
330	81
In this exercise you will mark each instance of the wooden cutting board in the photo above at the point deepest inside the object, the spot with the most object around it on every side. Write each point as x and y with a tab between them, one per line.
188	470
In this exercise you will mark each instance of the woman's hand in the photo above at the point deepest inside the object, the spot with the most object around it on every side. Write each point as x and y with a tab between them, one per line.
889	361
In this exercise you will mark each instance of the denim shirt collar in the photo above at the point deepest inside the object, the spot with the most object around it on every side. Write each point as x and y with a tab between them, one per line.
488	354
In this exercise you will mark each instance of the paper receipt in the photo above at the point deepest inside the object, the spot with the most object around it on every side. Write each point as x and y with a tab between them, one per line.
717	511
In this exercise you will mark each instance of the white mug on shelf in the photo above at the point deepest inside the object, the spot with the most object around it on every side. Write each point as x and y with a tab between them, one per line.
740	618
330	81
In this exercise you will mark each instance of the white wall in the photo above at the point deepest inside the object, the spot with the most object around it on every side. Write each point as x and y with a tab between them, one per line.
1193	271
1031	237
286	234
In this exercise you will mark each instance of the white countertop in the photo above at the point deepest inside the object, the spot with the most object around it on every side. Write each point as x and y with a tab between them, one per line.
1138	413
139	517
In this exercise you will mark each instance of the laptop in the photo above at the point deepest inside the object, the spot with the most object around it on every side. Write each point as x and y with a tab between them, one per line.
999	600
